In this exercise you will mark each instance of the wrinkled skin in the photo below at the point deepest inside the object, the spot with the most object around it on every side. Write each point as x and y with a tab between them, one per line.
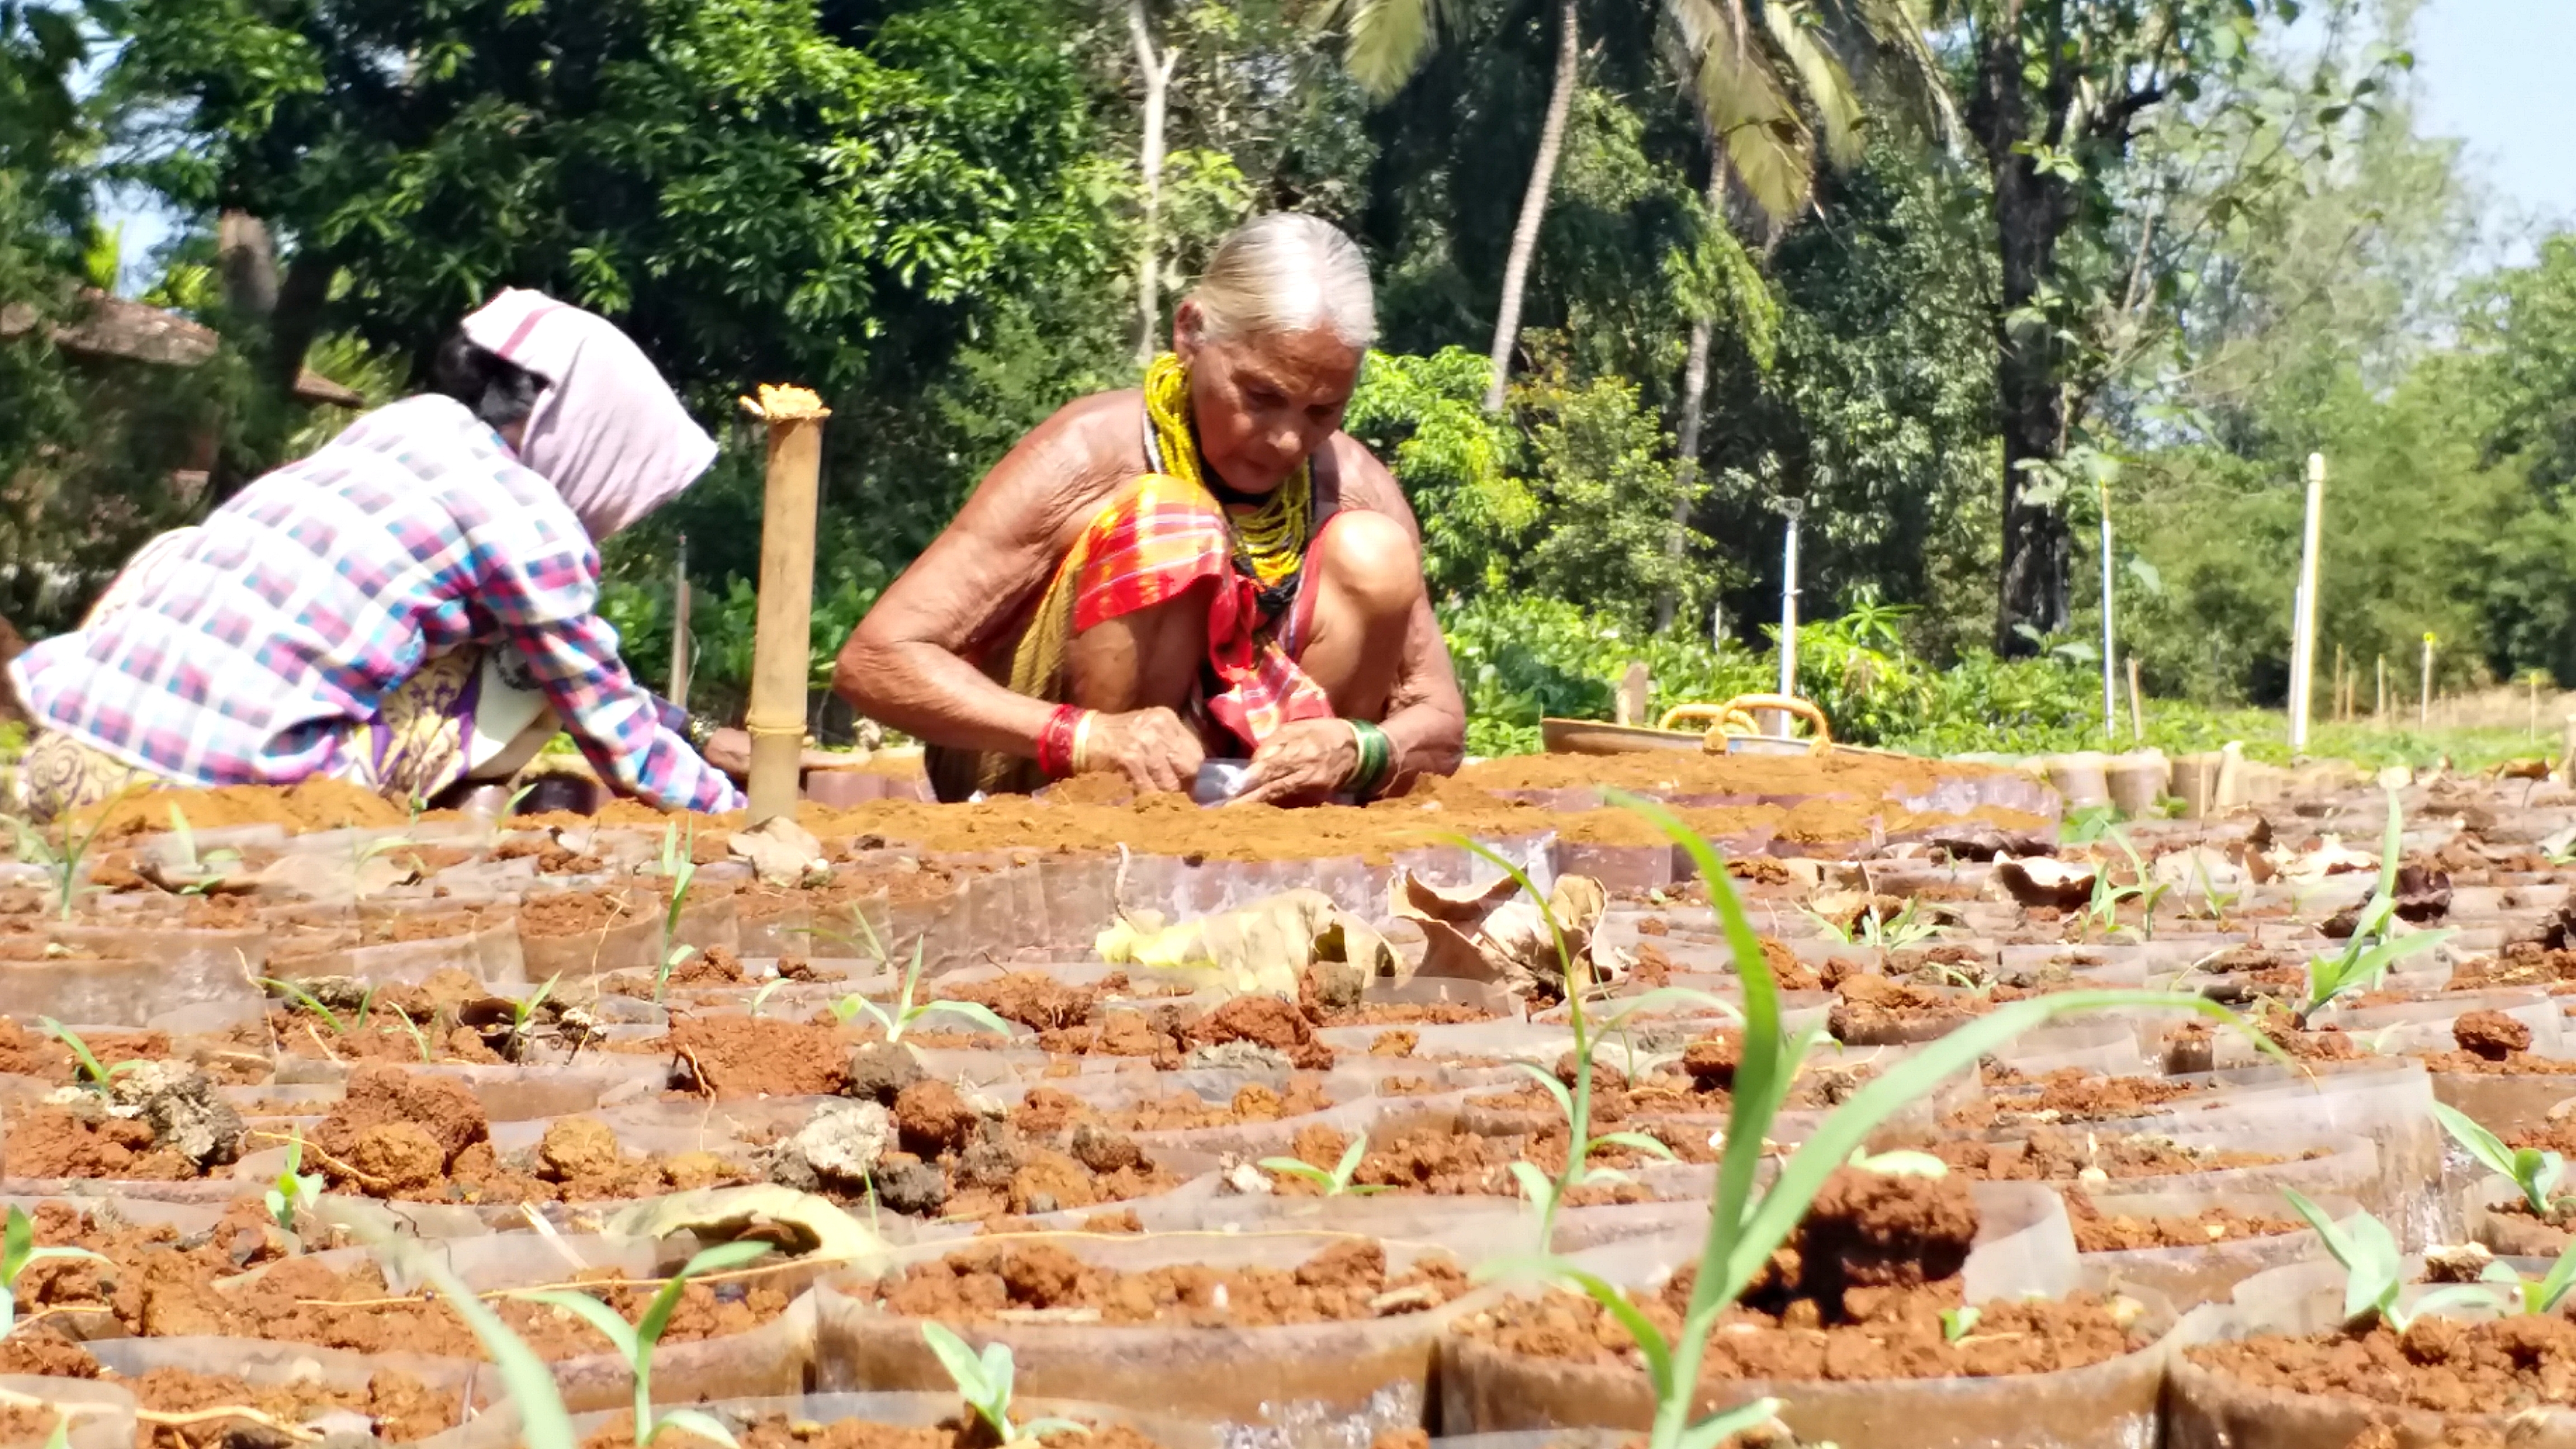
1262	404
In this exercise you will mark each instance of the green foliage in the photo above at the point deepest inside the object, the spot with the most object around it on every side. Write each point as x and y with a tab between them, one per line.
636	1343
2373	947
2374	1269
18	1249
1335	1181
2535	1172
906	1010
1748	1222
295	1190
984	1381
1425	418
90	1074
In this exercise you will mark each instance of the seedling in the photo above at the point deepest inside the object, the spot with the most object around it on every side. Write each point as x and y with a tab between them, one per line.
635	1343
91	1074
907	1010
1958	1323
202	867
309	1002
984	1382
528	1384
2542	1296
64	865
1892	933
295	1190
760	998
17	1250
2536	1172
2374	1270
2102	913
522	1013
679	863
1336	1183
2371	949
1748	1223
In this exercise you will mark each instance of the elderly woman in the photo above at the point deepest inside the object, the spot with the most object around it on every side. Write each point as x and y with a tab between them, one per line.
1205	567
413	606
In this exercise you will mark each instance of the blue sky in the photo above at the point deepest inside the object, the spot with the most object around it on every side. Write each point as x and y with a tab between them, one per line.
2496	73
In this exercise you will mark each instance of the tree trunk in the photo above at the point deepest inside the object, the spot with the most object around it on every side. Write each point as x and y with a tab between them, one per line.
1156	69
1694	401
1551	140
2031	210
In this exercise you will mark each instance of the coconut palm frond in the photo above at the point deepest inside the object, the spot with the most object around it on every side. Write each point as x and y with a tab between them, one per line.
1765	140
1827	84
1384	41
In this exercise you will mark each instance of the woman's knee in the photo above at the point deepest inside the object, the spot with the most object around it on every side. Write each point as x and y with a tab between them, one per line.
1371	560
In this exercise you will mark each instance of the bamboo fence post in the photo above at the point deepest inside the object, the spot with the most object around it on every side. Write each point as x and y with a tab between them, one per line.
2137	710
679	691
2424	689
782	649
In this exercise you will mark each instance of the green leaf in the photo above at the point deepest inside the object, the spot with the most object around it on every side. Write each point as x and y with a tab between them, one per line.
543	1424
1717	1428
695	1421
1545	1078
966	1371
1635	1142
976	1012
666	1301
593	1312
2554	1286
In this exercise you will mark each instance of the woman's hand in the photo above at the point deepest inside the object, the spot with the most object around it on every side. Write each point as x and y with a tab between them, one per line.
1303	762
1151	747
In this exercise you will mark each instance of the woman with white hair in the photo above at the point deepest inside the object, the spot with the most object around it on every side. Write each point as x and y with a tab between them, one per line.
1204	567
413	606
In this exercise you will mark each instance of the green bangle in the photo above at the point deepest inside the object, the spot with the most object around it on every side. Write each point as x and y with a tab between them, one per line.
1376	759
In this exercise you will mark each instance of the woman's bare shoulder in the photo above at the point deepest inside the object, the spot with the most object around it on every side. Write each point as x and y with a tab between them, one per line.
1083	451
1366	483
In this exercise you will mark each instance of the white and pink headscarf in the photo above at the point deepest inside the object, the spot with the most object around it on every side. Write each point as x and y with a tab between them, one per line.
608	432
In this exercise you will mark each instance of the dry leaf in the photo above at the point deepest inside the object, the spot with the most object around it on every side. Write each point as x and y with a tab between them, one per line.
2045	881
798	1222
782	853
1260	947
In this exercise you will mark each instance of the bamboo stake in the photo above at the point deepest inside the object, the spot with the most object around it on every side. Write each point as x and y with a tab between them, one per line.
2137	710
679	691
782	649
2424	689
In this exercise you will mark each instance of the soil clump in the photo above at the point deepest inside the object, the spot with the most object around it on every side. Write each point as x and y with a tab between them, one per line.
1343	1283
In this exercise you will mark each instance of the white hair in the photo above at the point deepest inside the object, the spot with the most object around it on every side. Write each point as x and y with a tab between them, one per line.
1286	272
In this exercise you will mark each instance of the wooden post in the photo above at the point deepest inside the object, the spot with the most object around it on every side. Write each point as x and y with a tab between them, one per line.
679	692
1635	697
782	649
2424	689
2137	709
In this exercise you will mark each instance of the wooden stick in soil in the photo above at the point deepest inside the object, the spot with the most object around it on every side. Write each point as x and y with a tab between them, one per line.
782	649
2137	709
679	692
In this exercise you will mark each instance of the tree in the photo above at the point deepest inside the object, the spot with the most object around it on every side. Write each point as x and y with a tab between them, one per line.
1154	69
757	189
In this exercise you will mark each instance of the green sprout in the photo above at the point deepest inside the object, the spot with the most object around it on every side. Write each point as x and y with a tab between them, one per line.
1748	1222
2536	1296
295	1190
760	998
2371	949
89	1074
64	865
907	1009
679	864
1958	1323
2535	1172
202	867
1891	933
17	1250
1336	1183
985	1384
2374	1269
2102	913
527	1384
636	1343
309	1002
524	1013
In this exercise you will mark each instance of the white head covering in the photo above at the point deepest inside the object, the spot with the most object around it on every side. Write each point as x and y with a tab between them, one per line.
608	432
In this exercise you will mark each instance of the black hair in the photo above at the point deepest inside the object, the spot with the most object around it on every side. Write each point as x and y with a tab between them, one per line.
499	391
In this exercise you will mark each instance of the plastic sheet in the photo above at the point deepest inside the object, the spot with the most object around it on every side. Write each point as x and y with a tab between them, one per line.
100	1415
1323	1385
2388	1102
2208	1272
499	1429
2025	1249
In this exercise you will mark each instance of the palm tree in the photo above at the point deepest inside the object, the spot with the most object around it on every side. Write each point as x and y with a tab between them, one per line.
1753	62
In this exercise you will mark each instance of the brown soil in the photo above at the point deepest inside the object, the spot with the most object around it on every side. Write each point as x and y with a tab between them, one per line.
1343	1283
551	858
2521	963
2443	1364
425	1139
2055	1155
44	1141
1031	998
40	1054
404	1408
1691	772
1871	1008
1045	1110
313	805
2068	1094
1437	1163
2490	1034
574	913
2096	1232
757	1056
776	1431
1856	1293
2511	1064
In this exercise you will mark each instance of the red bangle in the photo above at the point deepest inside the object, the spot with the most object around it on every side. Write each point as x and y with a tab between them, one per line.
1055	742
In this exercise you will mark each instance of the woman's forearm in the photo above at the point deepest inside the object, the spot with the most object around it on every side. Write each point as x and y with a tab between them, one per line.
929	692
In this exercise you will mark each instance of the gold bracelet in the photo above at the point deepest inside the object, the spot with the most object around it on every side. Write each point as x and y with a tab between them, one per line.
1082	742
